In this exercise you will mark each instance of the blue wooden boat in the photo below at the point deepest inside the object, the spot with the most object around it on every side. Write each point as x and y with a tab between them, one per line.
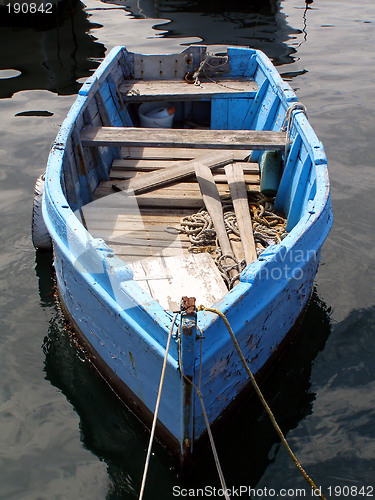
114	194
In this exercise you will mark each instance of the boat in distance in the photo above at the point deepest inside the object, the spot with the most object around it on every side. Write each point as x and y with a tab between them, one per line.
176	181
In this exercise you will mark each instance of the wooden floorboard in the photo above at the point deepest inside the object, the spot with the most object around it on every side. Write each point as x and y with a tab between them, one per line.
173	173
137	166
168	278
137	228
252	178
182	153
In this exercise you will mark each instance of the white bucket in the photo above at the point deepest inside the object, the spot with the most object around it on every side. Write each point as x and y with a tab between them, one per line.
156	114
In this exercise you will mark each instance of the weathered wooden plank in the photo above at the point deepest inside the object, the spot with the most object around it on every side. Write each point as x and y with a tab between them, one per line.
172	90
150	214
157	244
129	232
237	249
173	173
167	200
238	192
211	198
249	178
178	138
145	165
170	278
219	114
132	252
174	153
141	165
104	215
220	178
191	188
91	113
179	193
163	66
102	108
119	228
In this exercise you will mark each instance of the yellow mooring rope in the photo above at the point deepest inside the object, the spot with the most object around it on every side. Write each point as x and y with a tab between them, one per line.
263	401
209	432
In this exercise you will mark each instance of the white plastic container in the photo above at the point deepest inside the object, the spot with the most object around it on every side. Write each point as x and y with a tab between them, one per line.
156	114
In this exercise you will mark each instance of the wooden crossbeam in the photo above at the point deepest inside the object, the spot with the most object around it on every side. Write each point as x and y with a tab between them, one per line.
172	90
187	138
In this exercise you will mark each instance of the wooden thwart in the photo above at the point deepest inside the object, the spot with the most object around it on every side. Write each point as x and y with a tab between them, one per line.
178	138
173	173
238	192
180	90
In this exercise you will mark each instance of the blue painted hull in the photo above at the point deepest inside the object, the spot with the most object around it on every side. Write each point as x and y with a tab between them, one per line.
123	328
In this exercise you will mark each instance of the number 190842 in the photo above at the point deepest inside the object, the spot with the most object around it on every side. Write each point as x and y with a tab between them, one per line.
29	8
352	491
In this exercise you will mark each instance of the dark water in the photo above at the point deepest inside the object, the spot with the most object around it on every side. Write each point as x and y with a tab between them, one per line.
62	432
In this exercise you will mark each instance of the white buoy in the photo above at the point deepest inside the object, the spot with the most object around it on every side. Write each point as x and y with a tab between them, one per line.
39	232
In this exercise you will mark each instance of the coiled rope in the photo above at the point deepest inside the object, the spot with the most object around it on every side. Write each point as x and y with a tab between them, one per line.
207	63
268	229
263	401
200	230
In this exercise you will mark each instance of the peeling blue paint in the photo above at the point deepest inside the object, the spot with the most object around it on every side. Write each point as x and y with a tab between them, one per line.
124	325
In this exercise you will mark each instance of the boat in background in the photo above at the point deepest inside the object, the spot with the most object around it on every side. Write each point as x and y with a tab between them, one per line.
116	198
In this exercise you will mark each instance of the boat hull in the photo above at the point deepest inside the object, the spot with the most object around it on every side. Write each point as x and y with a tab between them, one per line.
122	327
114	349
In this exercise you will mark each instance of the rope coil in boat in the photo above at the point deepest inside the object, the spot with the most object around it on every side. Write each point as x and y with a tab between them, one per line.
268	229
207	62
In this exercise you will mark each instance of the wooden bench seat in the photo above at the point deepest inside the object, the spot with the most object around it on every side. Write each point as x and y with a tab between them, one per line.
183	138
180	90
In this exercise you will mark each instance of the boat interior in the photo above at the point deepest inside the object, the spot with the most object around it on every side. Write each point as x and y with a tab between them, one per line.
140	189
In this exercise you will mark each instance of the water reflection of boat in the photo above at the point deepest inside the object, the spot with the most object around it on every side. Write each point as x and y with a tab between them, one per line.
258	23
116	437
52	53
